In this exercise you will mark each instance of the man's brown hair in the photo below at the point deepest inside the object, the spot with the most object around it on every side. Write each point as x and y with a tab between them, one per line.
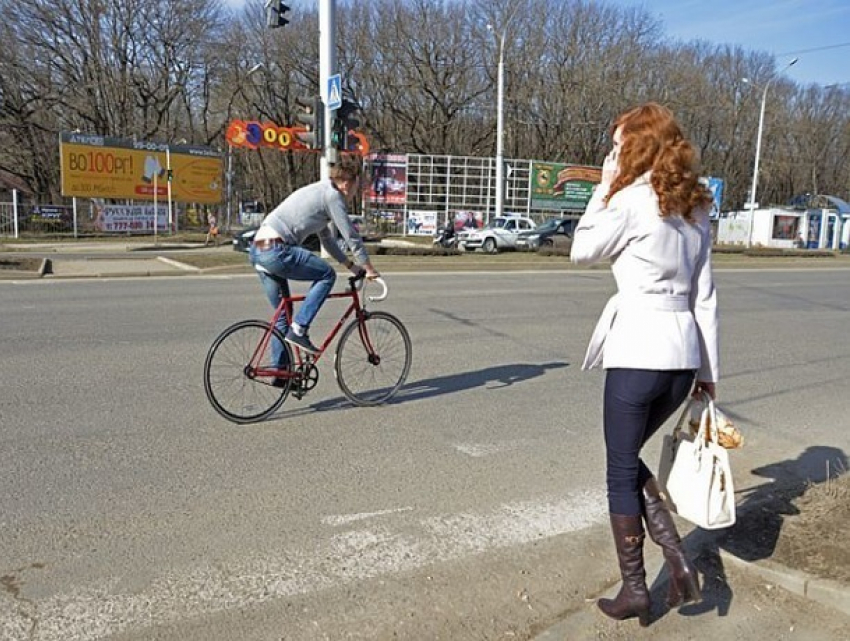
344	171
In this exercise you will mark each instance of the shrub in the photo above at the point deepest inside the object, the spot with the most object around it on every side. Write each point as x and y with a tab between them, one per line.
768	252
382	250
549	251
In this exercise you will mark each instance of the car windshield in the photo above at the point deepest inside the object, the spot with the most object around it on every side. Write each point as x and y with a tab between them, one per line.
497	223
549	225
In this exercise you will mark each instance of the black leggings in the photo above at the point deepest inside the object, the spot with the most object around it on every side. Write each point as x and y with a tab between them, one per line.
637	403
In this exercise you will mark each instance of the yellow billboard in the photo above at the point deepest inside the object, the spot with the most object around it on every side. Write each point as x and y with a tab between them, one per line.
105	167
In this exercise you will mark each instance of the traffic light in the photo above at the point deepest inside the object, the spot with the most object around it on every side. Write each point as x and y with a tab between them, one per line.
276	14
311	116
343	122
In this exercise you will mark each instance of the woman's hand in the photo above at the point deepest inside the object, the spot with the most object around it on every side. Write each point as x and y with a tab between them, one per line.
704	387
610	167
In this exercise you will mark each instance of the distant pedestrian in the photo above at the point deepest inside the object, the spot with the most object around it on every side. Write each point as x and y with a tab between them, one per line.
656	338
212	230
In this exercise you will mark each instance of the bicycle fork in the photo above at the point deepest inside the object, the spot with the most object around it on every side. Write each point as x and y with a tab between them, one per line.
371	355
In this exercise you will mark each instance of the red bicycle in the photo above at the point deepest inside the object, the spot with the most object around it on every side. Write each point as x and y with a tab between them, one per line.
371	362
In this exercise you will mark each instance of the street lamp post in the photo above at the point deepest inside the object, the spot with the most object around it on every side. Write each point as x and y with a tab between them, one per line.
754	186
500	126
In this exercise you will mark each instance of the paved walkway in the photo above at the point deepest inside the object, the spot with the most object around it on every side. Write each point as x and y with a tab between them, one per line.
758	600
109	259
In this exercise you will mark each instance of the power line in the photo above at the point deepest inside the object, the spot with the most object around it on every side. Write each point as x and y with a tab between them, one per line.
791	53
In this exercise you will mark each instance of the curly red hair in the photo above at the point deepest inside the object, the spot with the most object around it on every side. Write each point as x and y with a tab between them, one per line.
652	140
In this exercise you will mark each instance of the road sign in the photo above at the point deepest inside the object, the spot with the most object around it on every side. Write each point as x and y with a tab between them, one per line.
334	100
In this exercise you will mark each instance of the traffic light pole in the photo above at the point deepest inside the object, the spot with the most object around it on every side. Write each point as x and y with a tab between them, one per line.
327	68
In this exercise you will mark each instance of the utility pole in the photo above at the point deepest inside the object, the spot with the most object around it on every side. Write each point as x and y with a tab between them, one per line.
327	68
753	204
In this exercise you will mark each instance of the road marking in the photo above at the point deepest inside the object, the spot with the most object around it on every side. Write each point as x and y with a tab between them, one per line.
95	611
345	519
479	450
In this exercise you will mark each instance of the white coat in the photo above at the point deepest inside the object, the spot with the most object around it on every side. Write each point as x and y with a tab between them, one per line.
664	315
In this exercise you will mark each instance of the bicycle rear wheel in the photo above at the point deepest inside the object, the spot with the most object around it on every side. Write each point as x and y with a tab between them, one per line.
232	388
372	359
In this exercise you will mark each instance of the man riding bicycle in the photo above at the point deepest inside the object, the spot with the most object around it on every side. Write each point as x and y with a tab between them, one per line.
277	255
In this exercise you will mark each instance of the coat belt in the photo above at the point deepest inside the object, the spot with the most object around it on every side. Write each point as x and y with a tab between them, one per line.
653	302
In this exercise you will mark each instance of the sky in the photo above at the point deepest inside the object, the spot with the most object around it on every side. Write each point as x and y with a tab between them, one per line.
815	31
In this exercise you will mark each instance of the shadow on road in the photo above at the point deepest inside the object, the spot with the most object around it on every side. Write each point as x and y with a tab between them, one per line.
496	377
491	378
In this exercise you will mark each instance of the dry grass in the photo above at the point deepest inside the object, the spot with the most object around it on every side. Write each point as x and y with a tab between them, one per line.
815	540
21	264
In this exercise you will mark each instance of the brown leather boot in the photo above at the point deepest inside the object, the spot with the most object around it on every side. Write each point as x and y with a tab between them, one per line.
633	598
684	584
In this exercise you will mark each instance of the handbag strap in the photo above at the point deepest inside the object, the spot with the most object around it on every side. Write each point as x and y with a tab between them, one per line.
708	419
708	422
683	417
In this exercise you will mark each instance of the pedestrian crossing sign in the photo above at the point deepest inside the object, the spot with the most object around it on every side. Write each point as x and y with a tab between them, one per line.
334	92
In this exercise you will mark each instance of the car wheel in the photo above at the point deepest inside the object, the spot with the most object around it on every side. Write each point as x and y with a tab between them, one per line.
489	246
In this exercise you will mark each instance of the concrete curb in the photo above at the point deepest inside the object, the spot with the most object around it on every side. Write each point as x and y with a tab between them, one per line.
833	594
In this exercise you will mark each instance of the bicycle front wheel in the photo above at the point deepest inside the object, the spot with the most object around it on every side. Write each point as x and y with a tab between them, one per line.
232	388
372	359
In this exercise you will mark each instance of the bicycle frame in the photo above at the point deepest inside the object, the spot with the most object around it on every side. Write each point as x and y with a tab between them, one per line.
370	364
285	308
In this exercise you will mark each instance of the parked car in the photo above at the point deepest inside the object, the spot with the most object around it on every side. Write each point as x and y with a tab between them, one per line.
500	234
553	234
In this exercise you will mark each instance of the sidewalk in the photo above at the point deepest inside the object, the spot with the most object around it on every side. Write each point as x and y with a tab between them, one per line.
110	259
741	600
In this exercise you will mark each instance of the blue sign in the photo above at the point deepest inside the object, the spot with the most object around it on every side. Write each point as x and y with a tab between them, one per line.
334	92
715	186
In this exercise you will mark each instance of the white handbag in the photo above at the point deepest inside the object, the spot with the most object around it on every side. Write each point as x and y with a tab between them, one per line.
694	472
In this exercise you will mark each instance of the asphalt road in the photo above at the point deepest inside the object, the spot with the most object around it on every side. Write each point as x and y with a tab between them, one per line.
131	510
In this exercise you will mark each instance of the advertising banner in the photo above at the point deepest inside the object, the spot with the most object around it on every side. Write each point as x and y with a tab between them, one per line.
468	220
253	134
104	167
422	223
562	187
786	227
389	179
131	218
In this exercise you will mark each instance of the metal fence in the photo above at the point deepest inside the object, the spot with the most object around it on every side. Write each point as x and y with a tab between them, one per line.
30	219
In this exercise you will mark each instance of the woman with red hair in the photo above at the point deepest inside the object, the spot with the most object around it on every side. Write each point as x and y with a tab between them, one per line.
656	338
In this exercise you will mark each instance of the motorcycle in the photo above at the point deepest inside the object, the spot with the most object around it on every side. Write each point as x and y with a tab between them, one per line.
446	237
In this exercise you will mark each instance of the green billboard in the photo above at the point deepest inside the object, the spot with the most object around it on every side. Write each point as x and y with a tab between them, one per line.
562	187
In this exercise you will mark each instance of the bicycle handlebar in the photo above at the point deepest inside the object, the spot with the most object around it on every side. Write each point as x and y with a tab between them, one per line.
358	282
384	292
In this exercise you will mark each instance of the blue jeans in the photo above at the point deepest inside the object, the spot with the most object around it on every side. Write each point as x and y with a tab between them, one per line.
637	403
284	262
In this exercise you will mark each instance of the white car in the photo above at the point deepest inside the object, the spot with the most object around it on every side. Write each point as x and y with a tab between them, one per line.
501	233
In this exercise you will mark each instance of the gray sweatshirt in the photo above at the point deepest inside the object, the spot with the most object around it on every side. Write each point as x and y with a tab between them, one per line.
308	211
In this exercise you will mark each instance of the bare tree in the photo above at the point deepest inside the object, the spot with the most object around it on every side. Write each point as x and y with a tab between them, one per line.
424	72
